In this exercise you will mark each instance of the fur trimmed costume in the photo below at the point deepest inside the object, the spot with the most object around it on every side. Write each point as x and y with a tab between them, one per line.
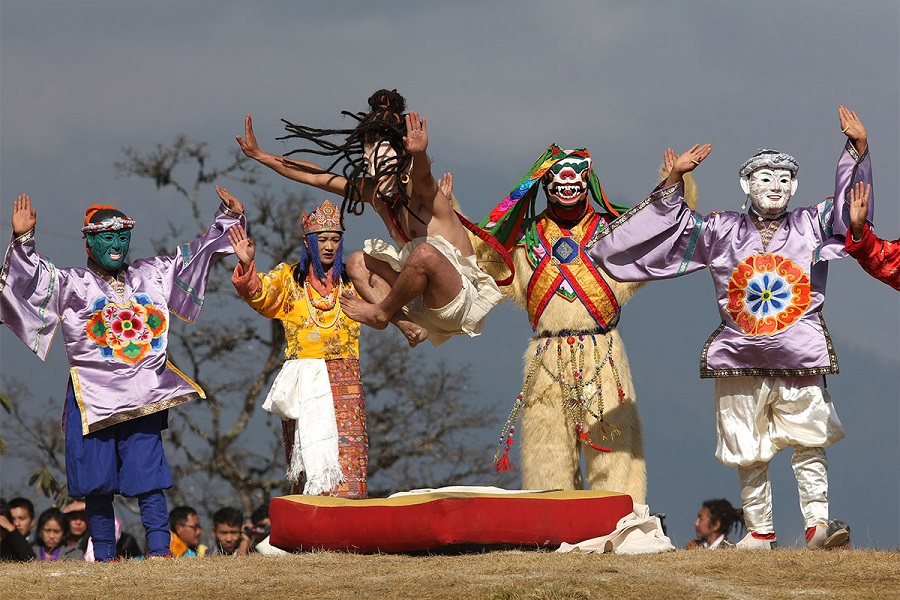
573	308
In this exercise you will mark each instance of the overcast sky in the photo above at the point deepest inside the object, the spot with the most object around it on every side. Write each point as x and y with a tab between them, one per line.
498	82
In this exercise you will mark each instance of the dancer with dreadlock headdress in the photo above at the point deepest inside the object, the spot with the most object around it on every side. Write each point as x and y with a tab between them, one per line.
431	287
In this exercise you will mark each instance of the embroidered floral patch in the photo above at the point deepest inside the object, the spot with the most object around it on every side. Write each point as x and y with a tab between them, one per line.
767	294
127	332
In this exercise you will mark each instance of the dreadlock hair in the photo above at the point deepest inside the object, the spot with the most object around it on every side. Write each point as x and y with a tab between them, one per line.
309	257
384	121
728	517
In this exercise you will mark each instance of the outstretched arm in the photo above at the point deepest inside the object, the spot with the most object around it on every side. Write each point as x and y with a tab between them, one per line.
24	217
684	163
243	246
853	128
30	286
859	208
230	202
425	188
287	167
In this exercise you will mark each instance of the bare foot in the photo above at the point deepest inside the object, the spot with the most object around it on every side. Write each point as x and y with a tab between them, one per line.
415	334
361	311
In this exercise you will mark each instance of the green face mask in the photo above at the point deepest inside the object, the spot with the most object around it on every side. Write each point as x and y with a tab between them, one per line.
109	248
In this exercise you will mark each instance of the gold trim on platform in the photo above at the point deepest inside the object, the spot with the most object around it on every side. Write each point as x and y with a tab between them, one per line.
413	499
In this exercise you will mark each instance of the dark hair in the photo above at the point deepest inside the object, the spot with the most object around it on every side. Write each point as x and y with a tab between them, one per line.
22	503
106	213
261	512
179	515
384	121
228	516
309	258
52	514
728	517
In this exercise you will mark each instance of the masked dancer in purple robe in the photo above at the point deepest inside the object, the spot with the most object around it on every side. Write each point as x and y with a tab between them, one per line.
115	324
771	352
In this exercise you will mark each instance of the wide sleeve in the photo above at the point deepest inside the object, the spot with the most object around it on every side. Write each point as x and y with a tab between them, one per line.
269	294
851	168
30	294
879	258
659	238
188	271
833	215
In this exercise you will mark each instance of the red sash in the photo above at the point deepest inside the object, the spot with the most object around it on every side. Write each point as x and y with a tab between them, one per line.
564	259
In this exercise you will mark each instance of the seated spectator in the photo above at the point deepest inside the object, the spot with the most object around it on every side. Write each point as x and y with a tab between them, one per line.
185	527
13	545
51	528
715	520
77	534
261	525
228	531
22	511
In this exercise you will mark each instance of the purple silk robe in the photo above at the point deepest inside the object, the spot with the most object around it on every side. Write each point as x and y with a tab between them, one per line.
115	330
770	298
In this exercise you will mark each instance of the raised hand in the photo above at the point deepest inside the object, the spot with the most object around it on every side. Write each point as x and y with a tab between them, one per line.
243	246
445	184
669	160
686	162
230	201
248	143
853	128
24	218
416	139
859	208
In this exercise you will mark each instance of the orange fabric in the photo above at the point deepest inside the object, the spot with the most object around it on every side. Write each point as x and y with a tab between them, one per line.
177	547
94	209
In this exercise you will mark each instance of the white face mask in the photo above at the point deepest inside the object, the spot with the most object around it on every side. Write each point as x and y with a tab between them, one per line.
569	183
378	156
769	190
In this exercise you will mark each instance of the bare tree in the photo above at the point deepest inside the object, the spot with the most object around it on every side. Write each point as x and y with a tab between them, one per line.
35	438
222	450
417	418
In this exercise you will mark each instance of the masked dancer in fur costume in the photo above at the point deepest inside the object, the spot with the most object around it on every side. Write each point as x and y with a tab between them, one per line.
431	287
318	393
114	318
771	352
577	392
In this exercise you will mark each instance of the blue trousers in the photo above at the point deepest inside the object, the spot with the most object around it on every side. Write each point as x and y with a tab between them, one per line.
126	458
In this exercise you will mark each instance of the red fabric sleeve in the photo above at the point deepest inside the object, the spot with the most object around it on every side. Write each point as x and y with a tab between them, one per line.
880	258
245	282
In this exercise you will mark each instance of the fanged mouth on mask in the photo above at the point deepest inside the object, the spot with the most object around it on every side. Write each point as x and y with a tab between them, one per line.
566	192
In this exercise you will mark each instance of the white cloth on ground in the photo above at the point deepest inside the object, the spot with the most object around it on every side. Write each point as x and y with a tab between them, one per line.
302	392
636	533
265	548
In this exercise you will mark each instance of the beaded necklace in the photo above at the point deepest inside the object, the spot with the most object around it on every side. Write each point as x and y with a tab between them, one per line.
576	395
333	302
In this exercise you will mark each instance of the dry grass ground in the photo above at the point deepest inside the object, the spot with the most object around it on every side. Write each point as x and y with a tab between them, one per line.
506	575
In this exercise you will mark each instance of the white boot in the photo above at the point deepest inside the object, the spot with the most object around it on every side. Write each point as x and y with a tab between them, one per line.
751	543
829	535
